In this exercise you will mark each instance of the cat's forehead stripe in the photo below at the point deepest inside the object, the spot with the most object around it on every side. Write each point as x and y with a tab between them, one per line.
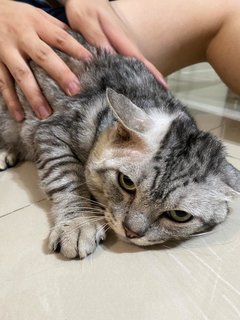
178	161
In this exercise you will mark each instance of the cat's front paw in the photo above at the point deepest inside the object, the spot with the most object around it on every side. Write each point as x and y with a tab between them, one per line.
76	238
7	159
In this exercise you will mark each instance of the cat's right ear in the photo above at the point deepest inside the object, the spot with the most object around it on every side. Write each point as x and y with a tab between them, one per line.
131	117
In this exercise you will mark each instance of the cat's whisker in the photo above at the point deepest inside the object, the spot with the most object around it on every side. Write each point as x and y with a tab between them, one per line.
202	233
108	228
65	238
79	200
85	209
90	200
81	207
86	221
83	214
88	218
79	204
82	184
103	228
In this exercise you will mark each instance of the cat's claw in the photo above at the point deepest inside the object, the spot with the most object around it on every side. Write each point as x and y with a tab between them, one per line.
7	159
73	241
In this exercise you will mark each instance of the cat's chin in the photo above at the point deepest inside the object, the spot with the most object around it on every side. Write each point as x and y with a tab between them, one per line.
124	239
143	242
140	242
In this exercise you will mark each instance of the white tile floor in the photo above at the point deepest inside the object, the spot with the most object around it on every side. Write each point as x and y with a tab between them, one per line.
198	279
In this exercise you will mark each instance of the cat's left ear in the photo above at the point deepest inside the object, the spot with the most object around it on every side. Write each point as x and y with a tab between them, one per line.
231	176
127	113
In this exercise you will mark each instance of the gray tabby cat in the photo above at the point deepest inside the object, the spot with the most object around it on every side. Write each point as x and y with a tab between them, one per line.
126	143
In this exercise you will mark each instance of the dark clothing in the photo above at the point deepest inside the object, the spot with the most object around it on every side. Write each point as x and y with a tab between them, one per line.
57	12
52	7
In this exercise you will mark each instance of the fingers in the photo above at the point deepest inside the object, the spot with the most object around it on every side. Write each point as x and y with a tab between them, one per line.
103	28
7	90
29	34
45	57
60	39
88	25
19	41
117	36
27	38
155	72
25	79
94	34
53	20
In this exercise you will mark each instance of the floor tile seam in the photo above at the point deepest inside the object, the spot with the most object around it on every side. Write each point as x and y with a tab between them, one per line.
229	156
231	143
233	156
218	127
26	206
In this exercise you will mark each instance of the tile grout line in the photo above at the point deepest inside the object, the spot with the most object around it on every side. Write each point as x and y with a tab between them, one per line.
220	126
16	210
233	157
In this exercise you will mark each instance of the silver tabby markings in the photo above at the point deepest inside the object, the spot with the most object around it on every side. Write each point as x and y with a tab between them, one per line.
123	154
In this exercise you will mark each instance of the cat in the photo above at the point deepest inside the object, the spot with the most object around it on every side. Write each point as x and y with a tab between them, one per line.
123	153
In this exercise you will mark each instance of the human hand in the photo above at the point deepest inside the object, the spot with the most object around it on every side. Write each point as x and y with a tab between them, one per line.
100	25
27	33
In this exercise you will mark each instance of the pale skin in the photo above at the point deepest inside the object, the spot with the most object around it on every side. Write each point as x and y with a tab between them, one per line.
174	34
166	35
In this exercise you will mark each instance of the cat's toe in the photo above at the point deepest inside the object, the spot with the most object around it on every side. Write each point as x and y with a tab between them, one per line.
89	238
63	241
7	159
73	241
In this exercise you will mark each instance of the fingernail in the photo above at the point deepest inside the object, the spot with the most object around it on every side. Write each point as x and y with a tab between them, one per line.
109	49
73	88
163	82
88	57
43	112
19	116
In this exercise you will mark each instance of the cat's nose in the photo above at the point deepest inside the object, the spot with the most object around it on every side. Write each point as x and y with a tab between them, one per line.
129	233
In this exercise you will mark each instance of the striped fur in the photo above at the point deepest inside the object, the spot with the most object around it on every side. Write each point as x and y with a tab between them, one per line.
136	128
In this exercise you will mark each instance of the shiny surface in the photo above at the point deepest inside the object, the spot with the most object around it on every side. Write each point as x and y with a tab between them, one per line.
196	279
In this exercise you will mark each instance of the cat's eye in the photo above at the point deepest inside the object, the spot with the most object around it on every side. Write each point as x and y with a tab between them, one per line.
126	183
179	216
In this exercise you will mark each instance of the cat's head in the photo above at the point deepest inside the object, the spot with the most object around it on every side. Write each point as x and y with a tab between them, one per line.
158	175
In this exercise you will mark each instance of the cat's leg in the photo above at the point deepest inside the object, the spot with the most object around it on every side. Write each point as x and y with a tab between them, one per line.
78	227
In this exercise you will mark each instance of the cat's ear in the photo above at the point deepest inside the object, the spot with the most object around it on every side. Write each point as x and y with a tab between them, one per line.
127	113
231	176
